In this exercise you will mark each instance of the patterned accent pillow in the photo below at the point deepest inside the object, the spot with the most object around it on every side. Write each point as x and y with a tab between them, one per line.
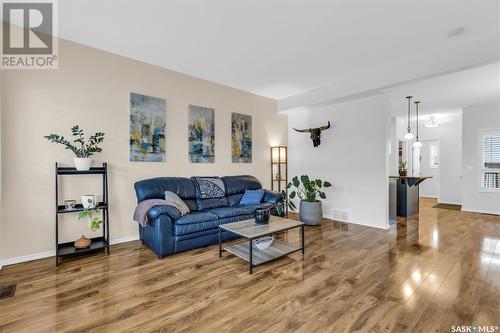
209	187
252	197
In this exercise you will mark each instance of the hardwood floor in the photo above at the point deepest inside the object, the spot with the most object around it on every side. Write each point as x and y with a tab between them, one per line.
417	277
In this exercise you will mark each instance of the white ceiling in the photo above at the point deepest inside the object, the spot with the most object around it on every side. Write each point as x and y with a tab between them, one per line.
274	49
449	93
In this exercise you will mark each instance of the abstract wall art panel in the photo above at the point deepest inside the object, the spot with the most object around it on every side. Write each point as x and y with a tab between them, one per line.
201	134
147	128
241	138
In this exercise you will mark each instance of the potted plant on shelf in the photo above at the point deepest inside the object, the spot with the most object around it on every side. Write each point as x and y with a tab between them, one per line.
86	148
92	213
309	191
403	168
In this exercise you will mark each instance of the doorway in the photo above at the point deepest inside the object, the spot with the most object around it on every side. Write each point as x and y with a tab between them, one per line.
429	166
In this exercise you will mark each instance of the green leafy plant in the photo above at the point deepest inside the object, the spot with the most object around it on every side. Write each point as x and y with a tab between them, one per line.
403	166
85	149
93	215
305	189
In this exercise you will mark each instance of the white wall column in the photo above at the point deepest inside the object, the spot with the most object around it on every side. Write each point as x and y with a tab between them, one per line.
353	156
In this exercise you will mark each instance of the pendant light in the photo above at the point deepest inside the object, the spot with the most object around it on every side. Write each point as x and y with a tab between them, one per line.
409	135
417	143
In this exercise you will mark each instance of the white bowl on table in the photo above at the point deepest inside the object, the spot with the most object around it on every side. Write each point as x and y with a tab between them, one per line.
264	242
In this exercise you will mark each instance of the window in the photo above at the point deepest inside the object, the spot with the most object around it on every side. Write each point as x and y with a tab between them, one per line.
490	165
433	155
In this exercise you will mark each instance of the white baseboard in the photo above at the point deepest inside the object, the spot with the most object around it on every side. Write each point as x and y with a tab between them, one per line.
449	203
429	196
29	257
477	210
42	255
385	227
124	239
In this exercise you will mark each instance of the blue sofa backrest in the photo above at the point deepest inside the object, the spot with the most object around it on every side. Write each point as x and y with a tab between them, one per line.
236	186
155	188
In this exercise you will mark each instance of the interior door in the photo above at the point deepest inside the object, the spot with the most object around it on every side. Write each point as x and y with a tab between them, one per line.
429	166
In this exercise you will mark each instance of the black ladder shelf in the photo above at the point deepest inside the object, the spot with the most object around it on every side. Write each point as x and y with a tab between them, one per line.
65	250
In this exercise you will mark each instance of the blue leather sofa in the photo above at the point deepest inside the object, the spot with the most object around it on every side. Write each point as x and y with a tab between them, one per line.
167	232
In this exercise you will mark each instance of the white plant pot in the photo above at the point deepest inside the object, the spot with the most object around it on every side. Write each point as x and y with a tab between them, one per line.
82	164
88	201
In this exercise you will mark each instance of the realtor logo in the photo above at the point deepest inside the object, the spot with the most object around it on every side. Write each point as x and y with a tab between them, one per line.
28	35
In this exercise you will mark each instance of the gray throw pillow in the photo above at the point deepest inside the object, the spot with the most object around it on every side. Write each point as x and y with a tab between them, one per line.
177	202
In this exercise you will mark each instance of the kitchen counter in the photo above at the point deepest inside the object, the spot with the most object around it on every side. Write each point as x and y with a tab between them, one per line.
407	194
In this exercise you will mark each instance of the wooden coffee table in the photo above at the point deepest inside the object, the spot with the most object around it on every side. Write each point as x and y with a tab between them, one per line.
250	230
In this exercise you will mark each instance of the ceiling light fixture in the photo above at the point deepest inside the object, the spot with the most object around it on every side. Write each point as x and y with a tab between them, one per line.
409	135
417	143
432	122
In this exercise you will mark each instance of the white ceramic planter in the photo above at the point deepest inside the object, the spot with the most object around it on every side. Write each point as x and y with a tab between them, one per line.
88	201
82	164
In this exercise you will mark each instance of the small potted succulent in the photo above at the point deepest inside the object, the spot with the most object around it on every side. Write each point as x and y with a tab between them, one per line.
403	168
309	191
82	148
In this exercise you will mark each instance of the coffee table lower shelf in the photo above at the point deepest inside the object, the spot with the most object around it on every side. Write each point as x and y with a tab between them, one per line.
277	250
251	231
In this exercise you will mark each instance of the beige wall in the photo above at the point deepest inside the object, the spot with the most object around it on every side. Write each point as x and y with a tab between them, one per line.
1	191
92	88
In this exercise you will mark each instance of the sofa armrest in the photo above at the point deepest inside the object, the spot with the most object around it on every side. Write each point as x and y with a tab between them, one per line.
273	197
158	235
171	211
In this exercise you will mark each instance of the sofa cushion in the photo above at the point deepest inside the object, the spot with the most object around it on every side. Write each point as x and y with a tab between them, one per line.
234	199
196	217
252	208
236	219
155	188
252	197
186	229
183	229
226	212
238	184
237	210
204	204
191	203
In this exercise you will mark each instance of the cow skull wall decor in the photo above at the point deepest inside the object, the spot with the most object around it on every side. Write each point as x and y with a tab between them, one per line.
315	133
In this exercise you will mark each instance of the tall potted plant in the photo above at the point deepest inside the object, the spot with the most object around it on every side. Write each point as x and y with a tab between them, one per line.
309	191
82	149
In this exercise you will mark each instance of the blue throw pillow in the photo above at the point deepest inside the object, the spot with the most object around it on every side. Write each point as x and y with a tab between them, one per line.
252	197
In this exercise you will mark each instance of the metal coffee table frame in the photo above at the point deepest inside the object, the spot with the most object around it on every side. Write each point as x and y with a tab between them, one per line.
250	231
